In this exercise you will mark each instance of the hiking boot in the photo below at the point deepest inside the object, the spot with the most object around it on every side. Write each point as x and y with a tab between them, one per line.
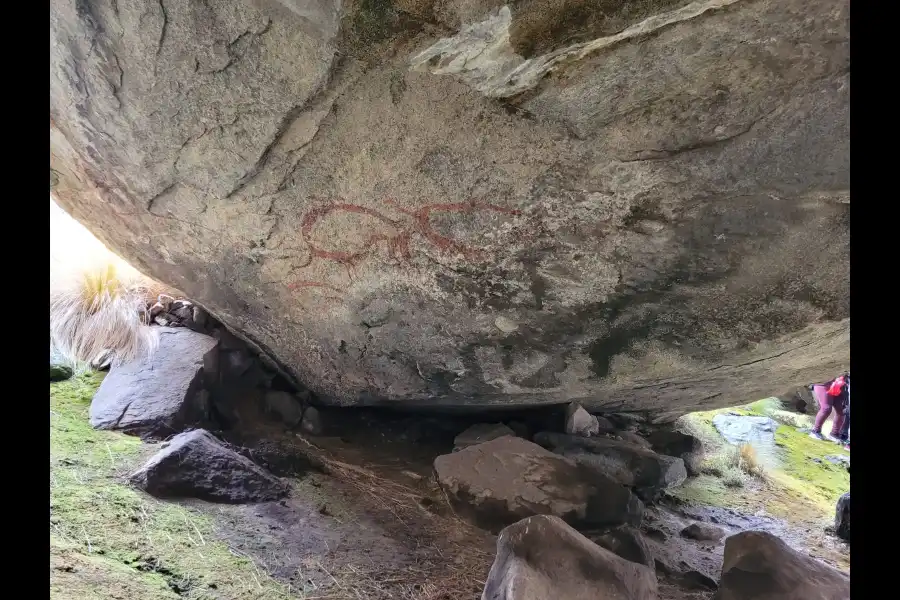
816	435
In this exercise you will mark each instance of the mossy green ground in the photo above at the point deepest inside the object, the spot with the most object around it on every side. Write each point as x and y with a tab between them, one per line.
108	540
802	487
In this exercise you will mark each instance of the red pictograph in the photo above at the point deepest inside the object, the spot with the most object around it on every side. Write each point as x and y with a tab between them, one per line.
396	234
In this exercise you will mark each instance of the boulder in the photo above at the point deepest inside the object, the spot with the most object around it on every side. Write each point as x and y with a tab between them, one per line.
498	482
476	204
842	517
158	395
646	471
541	557
312	421
60	372
580	422
695	580
703	532
759	566
628	543
480	433
285	406
634	439
741	429
675	443
194	464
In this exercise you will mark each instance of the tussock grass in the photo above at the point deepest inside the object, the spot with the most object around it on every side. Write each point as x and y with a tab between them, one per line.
100	309
107	540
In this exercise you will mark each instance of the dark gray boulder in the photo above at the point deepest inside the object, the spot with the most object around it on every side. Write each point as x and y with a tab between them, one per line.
543	558
842	517
158	395
194	464
682	445
285	406
60	372
759	566
646	471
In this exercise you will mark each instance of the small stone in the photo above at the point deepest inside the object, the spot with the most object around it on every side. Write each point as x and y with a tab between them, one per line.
842	517
580	422
166	301
199	316
285	406
60	372
312	421
505	325
703	532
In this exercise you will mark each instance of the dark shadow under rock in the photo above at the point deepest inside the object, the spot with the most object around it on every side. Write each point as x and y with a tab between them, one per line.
195	464
626	542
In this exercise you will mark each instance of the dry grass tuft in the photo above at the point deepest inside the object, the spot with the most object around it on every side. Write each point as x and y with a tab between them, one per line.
100	310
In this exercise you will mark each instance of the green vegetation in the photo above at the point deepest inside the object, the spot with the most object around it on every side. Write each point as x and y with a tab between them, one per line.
801	485
108	540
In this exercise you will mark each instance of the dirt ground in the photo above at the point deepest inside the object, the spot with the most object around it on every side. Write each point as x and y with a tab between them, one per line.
366	519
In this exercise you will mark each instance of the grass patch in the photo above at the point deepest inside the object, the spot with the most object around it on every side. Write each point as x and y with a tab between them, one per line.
108	540
803	487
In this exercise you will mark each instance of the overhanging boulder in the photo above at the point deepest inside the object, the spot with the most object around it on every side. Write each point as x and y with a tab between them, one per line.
523	211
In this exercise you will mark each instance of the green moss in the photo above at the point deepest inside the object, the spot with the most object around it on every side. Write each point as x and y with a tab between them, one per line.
111	541
803	488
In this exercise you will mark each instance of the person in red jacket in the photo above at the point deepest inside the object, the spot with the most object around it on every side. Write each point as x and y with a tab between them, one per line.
832	396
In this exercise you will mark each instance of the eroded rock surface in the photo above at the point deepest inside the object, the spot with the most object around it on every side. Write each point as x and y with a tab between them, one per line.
498	482
542	557
469	203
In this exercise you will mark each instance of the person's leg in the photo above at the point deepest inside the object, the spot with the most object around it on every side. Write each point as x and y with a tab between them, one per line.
845	429
838	424
824	401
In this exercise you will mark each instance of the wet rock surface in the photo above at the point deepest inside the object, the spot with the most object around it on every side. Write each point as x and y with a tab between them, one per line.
158	395
542	557
394	226
195	464
501	481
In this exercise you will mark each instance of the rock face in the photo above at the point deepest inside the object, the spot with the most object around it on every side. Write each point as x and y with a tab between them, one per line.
158	395
634	466
501	481
759	566
471	203
842	517
480	433
541	557
195	464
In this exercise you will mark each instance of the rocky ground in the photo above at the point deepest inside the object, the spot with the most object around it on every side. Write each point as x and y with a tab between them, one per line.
364	515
